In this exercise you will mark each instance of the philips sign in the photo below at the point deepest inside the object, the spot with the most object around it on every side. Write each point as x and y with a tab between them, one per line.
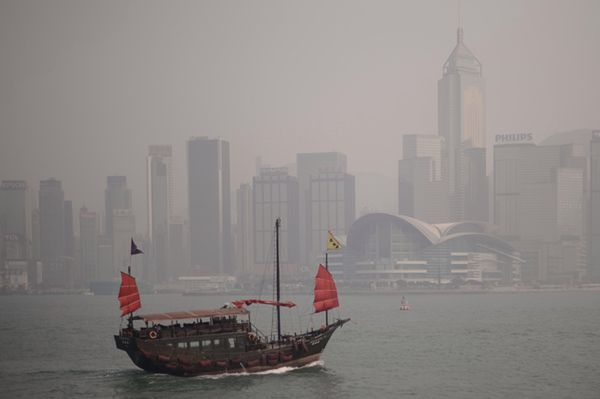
514	138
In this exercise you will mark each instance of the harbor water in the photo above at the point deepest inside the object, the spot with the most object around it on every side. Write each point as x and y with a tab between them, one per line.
449	345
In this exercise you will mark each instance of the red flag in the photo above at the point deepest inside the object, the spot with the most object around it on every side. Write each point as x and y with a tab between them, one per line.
325	291
129	296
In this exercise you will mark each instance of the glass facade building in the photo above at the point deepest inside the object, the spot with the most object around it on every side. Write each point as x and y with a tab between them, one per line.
398	249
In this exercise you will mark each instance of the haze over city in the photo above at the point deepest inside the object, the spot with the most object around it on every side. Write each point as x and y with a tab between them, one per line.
87	86
326	199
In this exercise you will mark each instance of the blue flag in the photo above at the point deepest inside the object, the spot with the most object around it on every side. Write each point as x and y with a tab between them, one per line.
134	249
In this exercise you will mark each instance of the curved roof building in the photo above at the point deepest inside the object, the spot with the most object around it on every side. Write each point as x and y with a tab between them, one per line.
394	248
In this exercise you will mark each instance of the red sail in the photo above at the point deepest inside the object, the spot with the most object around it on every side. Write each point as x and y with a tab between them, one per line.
325	291
129	296
242	302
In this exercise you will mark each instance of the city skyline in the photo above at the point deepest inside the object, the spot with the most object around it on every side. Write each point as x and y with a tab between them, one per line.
441	178
354	105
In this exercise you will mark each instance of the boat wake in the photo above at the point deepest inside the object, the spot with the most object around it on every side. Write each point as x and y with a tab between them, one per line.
280	370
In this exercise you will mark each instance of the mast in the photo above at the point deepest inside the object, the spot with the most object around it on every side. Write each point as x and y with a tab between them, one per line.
277	223
326	268
130	319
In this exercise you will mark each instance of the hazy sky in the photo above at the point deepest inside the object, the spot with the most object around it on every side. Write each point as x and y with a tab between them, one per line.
86	86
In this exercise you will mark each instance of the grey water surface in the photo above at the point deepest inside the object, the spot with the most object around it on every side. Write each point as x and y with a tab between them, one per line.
459	345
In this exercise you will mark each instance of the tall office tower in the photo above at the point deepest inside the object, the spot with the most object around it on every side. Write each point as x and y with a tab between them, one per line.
275	195
88	245
538	202
69	231
14	218
117	196
475	185
123	225
461	122
179	251
105	260
332	207
209	206
425	146
594	208
35	234
418	195
311	165
421	191
244	242
52	234
160	199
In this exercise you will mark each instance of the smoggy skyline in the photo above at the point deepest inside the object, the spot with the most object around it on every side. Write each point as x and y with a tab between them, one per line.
86	87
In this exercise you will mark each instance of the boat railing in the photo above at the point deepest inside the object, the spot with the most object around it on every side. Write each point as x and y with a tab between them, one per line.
192	329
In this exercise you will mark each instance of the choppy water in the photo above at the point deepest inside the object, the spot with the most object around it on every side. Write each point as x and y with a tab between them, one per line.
522	345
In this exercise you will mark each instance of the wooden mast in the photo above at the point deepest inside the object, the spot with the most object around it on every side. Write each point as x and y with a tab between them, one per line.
277	223
326	268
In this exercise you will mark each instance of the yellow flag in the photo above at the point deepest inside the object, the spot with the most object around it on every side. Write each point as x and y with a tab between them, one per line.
332	242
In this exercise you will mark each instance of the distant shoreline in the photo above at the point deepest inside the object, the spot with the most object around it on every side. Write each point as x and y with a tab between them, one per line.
342	291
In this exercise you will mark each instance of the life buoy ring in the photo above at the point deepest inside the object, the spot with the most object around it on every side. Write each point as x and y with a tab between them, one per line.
153	334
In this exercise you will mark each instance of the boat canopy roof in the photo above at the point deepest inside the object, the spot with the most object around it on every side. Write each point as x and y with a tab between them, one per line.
193	314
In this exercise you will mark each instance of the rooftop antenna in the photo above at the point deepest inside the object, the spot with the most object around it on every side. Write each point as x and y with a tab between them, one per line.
459	32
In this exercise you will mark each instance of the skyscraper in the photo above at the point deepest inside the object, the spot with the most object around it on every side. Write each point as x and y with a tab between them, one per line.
123	224
88	241
69	232
425	146
332	207
52	233
14	215
117	196
461	122
209	206
160	199
311	165
421	192
594	244
275	194
538	202
244	241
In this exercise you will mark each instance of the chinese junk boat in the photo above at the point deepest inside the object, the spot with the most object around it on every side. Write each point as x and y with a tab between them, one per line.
221	340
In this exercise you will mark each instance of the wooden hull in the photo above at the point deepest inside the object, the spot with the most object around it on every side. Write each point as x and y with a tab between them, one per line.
295	352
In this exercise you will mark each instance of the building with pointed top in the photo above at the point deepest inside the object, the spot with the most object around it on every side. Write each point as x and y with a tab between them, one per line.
461	122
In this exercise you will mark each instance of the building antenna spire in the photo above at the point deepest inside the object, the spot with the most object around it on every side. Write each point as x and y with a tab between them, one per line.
459	32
